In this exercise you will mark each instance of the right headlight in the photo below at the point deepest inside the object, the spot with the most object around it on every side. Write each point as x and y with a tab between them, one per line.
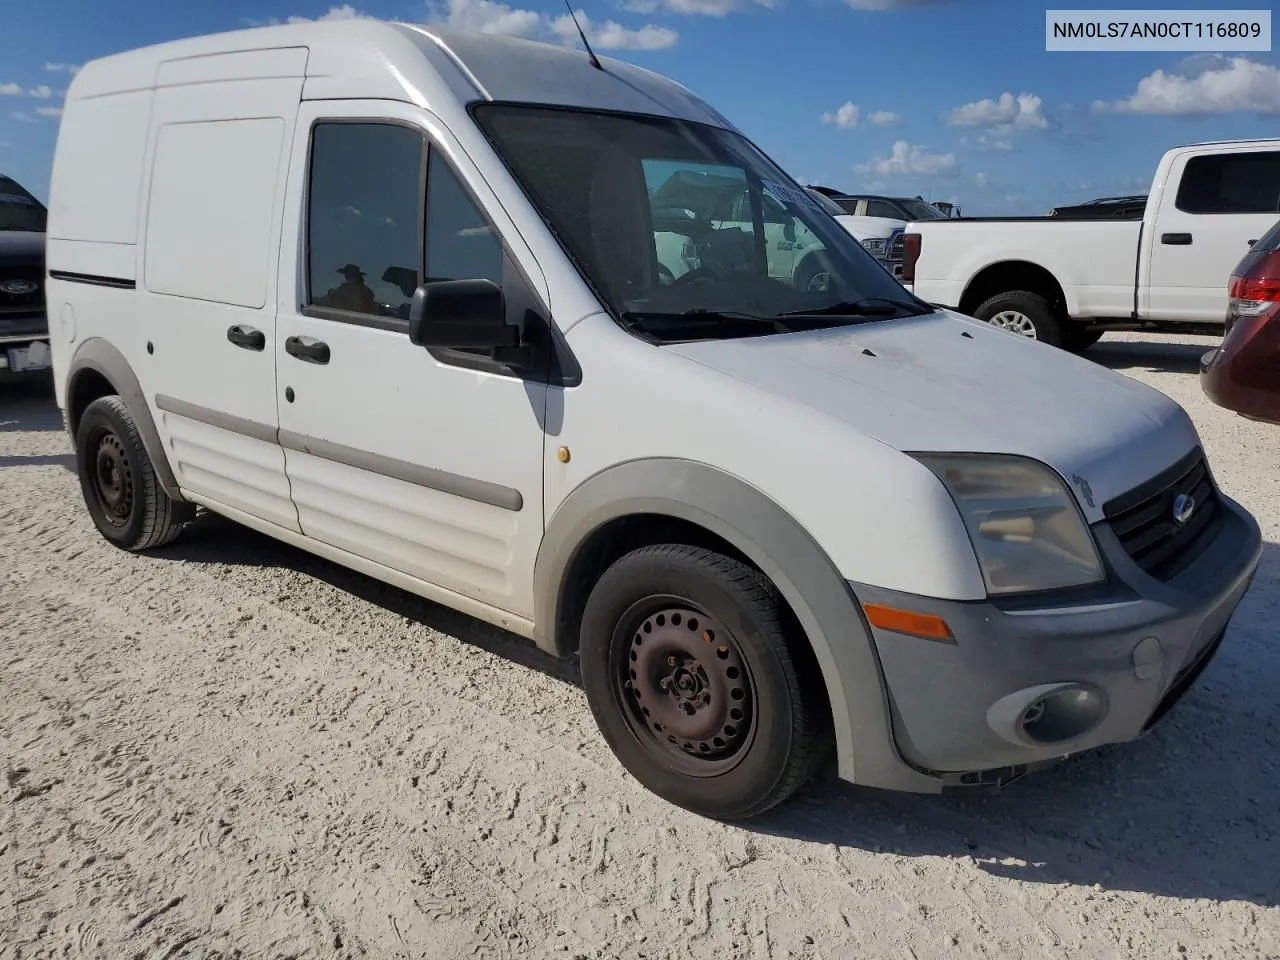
1026	528
876	246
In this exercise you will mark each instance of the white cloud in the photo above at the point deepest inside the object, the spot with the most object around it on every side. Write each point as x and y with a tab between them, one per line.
1025	112
495	17
846	117
1220	85
705	8
344	12
910	160
62	68
491	16
22	117
41	92
988	144
10	90
49	111
885	118
982	180
614	36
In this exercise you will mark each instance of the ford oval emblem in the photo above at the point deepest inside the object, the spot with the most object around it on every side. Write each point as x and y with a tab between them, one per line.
1184	505
19	288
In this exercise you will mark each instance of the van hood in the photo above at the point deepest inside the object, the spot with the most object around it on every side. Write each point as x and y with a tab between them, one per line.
947	383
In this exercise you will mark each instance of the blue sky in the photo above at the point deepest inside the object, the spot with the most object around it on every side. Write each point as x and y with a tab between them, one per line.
949	99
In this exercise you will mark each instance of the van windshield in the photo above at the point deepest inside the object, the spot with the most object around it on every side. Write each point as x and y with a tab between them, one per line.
19	210
687	231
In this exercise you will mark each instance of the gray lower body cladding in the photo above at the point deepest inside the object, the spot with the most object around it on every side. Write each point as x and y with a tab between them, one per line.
1027	686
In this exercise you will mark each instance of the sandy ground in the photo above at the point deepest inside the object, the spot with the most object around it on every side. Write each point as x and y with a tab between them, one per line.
232	749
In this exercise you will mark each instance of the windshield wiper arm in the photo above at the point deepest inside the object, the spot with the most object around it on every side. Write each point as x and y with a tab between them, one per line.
699	313
868	307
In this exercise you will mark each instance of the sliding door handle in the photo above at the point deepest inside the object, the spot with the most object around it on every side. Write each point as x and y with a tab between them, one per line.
1176	239
248	338
305	348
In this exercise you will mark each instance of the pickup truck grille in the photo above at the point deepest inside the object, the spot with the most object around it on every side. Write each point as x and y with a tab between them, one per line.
1144	519
897	249
21	302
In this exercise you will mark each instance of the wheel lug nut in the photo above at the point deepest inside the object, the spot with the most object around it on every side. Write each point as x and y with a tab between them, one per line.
671	661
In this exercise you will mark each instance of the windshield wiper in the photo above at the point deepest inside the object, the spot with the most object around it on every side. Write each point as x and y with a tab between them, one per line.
868	307
699	313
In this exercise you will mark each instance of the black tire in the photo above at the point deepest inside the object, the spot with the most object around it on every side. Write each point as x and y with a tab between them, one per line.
812	267
119	482
715	632
1033	307
1078	339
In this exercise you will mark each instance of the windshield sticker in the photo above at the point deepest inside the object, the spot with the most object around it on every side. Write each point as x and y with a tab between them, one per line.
791	196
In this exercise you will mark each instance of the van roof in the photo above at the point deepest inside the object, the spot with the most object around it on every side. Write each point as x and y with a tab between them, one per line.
374	59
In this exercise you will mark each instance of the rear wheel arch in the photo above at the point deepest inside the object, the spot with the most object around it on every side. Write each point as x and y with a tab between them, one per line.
1010	275
99	369
650	501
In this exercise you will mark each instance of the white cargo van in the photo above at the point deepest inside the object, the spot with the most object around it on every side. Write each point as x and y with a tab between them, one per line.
392	294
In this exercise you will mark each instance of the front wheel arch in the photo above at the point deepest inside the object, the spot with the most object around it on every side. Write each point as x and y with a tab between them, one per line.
757	529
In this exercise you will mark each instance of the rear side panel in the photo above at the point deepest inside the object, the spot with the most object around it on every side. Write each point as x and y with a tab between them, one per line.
211	221
95	195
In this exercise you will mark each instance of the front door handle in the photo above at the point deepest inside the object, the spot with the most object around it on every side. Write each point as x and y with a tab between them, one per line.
305	348
1176	239
247	337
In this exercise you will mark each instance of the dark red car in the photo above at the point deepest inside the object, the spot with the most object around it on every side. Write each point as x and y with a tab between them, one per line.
1243	374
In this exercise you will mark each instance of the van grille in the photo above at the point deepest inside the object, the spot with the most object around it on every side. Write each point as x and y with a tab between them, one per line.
1143	519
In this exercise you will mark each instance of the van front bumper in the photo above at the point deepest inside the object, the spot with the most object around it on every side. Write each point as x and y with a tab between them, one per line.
1021	686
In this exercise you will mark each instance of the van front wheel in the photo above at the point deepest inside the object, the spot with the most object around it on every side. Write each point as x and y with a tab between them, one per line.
695	684
119	483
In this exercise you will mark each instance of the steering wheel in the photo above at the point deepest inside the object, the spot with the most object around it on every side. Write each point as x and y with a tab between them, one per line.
694	275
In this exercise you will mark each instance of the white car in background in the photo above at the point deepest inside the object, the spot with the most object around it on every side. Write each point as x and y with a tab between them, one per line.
880	235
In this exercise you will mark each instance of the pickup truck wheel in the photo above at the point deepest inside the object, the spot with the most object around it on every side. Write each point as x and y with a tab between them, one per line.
1024	313
1079	339
119	483
695	685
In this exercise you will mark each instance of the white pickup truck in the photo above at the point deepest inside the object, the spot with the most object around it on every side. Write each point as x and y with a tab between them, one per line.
1066	280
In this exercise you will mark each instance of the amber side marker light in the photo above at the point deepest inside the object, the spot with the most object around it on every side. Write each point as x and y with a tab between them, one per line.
922	625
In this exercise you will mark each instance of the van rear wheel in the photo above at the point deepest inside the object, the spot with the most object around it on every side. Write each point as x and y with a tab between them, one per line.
695	684
118	480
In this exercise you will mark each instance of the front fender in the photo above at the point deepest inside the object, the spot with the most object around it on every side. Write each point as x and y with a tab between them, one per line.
764	532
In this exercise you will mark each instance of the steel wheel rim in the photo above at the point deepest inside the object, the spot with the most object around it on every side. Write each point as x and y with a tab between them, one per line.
685	690
111	477
1015	322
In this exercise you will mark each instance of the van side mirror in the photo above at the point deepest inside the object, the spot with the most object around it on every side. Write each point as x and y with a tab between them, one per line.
461	314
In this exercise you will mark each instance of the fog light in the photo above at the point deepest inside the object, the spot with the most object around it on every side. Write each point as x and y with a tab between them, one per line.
1049	714
1063	715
